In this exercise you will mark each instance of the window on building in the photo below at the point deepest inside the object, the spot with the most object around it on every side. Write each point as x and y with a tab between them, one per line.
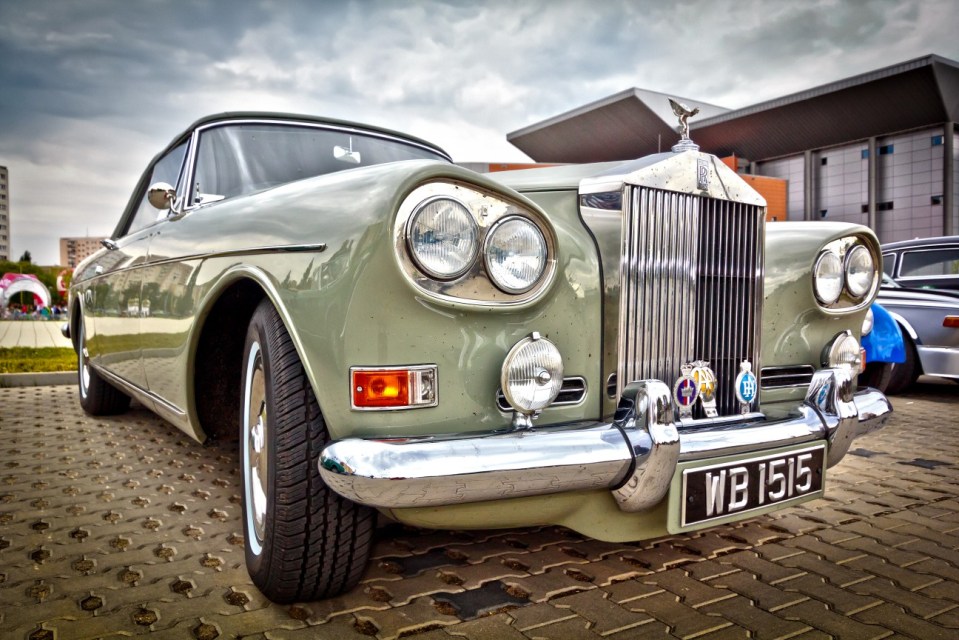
936	199
823	212
824	161
865	154
936	141
886	149
884	206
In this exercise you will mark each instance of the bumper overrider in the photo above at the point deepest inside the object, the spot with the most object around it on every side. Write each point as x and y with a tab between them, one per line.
634	456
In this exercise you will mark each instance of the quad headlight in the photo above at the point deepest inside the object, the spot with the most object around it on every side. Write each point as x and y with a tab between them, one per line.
443	237
460	243
860	271
515	254
827	278
844	274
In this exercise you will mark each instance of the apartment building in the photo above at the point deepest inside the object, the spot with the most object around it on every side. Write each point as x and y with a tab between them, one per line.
4	214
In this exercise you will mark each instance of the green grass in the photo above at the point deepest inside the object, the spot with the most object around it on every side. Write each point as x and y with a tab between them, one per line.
31	360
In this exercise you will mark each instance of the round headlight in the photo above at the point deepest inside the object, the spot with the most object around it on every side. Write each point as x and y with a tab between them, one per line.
827	277
443	238
532	374
515	254
860	271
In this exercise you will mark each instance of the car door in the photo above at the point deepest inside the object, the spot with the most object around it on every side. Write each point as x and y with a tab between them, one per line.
114	312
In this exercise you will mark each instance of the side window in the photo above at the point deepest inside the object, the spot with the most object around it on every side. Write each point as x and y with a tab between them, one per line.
166	170
939	262
888	261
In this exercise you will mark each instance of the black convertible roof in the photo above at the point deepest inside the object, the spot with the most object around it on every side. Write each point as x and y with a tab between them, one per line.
228	116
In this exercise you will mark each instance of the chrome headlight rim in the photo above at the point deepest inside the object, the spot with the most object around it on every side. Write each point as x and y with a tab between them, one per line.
868	322
855	291
491	269
418	259
473	288
823	298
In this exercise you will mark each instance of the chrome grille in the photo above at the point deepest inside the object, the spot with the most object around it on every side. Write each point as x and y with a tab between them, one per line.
691	288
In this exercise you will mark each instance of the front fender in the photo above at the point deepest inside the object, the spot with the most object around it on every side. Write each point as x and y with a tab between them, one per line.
884	343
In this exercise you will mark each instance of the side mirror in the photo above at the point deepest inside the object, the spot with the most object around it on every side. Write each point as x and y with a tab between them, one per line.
161	195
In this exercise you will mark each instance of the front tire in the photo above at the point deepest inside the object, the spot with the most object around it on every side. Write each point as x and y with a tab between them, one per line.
303	541
97	396
877	375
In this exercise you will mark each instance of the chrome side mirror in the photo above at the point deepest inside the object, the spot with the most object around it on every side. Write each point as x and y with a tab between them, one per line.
161	195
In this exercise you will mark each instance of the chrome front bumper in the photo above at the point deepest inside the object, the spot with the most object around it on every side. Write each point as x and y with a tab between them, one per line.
634	456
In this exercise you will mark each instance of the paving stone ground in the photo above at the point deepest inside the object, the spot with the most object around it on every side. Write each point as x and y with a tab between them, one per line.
123	526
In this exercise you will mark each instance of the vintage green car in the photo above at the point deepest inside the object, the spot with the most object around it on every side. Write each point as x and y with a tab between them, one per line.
625	349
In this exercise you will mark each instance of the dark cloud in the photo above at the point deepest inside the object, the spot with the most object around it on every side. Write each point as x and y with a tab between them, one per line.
92	90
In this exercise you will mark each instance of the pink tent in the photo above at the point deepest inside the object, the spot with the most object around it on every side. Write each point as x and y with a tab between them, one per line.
13	283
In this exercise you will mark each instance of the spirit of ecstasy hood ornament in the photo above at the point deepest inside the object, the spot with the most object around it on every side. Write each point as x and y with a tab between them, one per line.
684	113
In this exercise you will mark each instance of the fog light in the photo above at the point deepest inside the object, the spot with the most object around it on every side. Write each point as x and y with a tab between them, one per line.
843	351
393	388
532	374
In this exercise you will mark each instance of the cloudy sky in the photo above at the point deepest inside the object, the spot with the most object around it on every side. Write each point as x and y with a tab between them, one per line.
91	90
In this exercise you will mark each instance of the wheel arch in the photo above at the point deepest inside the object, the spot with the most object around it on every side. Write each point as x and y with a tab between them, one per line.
216	359
906	327
75	318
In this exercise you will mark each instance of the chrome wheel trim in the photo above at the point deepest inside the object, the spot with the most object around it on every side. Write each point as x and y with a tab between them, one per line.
254	444
84	362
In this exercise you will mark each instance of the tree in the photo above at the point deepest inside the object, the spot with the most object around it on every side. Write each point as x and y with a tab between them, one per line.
26	257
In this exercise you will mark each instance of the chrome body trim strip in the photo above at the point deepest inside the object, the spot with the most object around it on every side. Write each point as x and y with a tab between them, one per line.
169	411
634	455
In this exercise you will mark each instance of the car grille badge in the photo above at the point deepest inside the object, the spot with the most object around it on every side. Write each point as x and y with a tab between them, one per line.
747	386
706	380
686	391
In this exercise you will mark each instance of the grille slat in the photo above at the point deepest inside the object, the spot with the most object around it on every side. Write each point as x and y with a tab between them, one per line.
691	286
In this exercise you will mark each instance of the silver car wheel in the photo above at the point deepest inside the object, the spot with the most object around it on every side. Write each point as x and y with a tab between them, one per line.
84	363
255	456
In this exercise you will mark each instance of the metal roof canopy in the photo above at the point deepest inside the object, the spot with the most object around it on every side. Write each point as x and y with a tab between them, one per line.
911	95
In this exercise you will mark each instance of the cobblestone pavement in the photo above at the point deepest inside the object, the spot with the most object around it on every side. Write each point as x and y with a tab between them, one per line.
123	526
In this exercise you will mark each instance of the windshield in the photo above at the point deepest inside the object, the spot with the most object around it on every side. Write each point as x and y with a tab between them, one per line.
241	158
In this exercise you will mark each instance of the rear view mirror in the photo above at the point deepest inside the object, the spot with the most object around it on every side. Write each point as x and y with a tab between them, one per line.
346	155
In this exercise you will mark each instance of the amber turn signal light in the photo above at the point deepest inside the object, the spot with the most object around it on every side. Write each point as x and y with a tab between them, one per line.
951	321
393	388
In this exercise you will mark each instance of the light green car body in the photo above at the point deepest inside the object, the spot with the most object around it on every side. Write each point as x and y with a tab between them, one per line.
162	311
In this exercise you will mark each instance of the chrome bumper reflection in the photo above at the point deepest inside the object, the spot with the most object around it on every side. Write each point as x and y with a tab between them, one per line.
634	456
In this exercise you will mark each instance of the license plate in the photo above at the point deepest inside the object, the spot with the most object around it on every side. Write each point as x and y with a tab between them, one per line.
719	491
